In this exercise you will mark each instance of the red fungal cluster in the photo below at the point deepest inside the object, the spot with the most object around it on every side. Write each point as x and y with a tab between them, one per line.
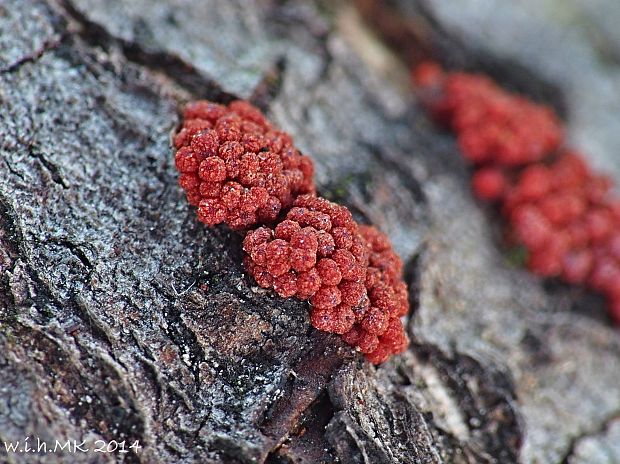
492	126
242	172
315	253
348	272
235	167
554	205
389	300
570	223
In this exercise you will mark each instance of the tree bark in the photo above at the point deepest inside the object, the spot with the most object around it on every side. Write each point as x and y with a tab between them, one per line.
123	318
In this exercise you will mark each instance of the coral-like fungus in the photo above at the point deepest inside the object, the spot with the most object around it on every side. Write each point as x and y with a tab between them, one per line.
348	272
315	253
492	125
554	205
241	171
389	300
570	224
235	167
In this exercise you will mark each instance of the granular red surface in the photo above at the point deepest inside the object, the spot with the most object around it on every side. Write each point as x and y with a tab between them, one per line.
240	171
562	212
389	300
348	272
491	125
235	167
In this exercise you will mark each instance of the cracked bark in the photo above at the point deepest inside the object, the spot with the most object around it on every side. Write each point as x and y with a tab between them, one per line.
123	318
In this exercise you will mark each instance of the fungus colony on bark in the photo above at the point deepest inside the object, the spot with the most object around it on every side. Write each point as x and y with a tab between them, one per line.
554	205
239	170
235	167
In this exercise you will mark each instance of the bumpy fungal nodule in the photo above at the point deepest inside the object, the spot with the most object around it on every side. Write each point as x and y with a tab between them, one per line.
235	167
562	212
492	125
350	274
241	171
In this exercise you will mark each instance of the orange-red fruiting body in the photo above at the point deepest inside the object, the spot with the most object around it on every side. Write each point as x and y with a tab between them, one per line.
491	125
389	299
554	205
241	171
349	273
236	167
315	254
568	220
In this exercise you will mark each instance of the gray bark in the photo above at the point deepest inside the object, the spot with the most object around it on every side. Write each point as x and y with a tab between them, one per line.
123	318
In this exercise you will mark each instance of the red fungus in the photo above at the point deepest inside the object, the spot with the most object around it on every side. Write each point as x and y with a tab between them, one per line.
235	167
316	254
349	273
388	296
491	124
555	206
241	171
489	184
563	215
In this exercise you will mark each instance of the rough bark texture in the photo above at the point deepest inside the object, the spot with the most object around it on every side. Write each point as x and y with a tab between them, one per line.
123	318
